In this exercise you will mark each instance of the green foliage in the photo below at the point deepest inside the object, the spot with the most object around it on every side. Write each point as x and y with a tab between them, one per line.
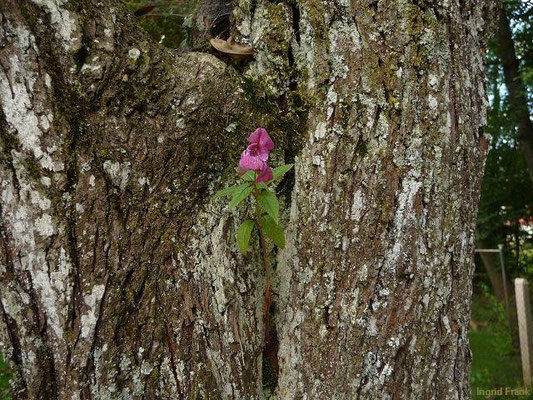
278	172
248	176
273	231
506	191
268	202
239	196
168	21
521	15
496	363
267	207
231	191
243	234
506	202
5	377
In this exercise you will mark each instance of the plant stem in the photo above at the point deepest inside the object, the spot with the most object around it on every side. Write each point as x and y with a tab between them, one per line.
266	261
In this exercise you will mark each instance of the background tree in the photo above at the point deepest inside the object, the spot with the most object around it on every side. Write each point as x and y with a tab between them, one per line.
120	278
517	91
506	208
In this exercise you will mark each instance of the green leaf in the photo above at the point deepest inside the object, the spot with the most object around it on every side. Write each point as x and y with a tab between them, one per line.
230	191
269	203
243	235
278	172
248	176
240	196
273	231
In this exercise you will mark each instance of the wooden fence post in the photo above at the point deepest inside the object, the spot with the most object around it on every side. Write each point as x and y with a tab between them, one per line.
523	310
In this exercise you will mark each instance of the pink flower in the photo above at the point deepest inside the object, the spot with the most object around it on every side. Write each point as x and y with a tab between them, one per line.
265	175
261	138
255	157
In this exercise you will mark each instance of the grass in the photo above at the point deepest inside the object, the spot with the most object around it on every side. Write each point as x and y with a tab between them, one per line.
5	376
496	363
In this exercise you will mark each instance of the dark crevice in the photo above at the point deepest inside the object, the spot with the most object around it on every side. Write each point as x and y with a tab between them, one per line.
400	368
20	385
10	143
70	188
9	323
9	80
220	26
327	316
81	56
292	105
296	20
292	102
216	16
253	7
374	6
293	83
270	355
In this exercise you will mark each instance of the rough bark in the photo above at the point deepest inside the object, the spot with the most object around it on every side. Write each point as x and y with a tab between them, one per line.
121	279
516	88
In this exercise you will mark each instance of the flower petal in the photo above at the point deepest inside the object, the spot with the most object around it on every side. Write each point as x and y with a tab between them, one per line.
265	142
263	154
251	162
265	175
262	138
254	137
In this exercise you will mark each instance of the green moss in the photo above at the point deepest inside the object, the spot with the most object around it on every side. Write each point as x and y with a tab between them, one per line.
9	140
258	95
361	148
278	26
33	168
315	16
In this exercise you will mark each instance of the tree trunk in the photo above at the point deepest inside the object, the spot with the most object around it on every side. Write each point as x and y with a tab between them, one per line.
516	88
120	278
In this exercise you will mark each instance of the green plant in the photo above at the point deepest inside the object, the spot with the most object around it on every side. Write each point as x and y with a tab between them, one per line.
258	177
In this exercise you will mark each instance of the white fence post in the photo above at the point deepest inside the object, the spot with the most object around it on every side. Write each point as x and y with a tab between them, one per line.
523	310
